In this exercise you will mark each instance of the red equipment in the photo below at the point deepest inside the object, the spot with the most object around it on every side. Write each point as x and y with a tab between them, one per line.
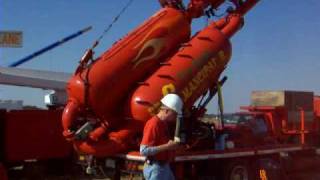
32	134
316	106
274	138
122	89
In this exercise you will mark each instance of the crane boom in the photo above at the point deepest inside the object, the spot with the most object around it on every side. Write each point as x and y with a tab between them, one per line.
49	47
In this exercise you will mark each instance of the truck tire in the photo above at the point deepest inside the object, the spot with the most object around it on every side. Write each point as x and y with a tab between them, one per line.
270	169
238	170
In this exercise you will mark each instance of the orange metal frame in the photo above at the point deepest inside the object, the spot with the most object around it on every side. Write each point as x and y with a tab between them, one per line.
121	89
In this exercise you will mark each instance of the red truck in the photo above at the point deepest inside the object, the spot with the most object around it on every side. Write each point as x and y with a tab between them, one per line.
276	137
31	144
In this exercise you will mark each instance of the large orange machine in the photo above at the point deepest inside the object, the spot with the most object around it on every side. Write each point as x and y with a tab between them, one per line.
118	92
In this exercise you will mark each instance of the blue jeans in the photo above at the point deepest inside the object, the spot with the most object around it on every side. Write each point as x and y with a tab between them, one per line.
157	172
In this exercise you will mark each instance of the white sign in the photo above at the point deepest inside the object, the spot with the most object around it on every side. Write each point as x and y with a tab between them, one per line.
10	39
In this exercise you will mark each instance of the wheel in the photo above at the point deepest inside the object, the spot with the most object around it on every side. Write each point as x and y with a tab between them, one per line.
238	170
271	169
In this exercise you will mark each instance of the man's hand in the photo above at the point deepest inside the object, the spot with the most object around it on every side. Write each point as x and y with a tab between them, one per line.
152	150
172	145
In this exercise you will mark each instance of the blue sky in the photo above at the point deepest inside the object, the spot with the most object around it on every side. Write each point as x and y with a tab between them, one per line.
277	49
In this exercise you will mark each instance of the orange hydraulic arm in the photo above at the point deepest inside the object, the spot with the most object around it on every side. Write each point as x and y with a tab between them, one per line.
103	85
118	92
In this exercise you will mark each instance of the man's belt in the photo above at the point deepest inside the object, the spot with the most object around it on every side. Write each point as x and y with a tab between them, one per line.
153	161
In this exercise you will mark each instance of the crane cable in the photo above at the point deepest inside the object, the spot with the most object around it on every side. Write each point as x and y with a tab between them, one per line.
220	104
115	19
89	57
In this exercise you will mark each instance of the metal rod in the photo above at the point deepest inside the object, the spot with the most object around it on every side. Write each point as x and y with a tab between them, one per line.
213	91
49	47
302	128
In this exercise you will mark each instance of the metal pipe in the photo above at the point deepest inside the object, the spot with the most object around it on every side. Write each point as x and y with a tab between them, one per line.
49	47
180	134
302	128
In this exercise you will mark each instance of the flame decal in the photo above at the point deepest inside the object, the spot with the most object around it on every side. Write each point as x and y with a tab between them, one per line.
156	45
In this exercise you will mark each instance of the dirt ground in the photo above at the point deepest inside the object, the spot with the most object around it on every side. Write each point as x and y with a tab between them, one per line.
307	175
